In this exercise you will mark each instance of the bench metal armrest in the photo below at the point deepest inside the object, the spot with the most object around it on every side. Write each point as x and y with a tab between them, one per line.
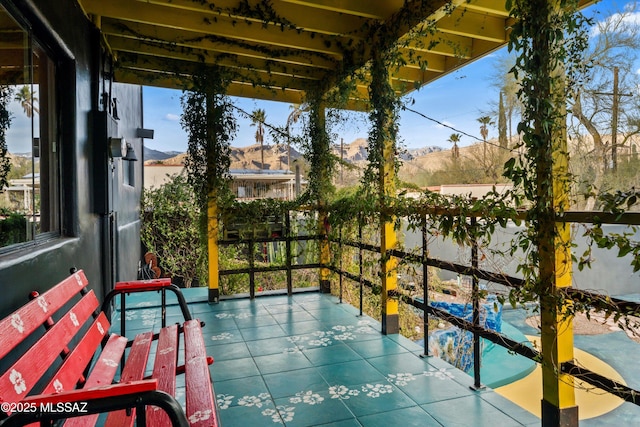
75	403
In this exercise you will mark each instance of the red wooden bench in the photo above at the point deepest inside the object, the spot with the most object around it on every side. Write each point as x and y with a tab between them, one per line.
65	368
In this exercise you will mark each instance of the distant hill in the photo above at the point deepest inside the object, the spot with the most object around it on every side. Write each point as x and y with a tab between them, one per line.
275	157
150	154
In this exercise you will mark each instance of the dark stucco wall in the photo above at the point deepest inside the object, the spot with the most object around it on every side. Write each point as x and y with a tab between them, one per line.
88	176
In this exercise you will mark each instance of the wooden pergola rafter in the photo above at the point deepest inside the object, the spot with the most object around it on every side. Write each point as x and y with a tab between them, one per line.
280	49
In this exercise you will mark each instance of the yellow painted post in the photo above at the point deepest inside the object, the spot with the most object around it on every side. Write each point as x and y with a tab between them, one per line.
325	254
386	187
213	250
323	216
212	206
555	265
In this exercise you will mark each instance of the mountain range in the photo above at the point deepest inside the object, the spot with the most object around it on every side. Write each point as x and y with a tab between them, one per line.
276	156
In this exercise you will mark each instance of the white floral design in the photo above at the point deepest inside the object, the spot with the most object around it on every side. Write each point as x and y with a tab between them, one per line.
256	401
308	397
292	350
342	392
16	322
286	412
400	378
144	304
42	303
275	416
345	337
74	319
200	416
110	362
19	384
322	342
441	374
57	386
166	350
224	400
222	336
224	316
143	341
78	279
100	328
365	330
375	390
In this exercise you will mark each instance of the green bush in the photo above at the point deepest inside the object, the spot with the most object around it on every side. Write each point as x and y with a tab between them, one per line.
170	229
13	228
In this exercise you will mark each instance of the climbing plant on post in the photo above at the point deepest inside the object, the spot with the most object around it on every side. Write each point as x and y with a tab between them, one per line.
320	159
548	36
382	171
211	125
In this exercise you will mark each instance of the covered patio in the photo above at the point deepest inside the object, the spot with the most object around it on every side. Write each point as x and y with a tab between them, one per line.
308	360
364	56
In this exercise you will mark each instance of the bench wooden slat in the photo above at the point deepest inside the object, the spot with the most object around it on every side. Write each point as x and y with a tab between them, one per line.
74	365
201	409
133	371
25	373
102	374
164	370
22	322
55	368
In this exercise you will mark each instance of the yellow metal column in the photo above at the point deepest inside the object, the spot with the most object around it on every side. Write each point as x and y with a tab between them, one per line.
212	205
387	188
555	263
323	215
213	250
325	254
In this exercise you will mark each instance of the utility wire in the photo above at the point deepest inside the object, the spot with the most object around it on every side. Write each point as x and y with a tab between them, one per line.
456	130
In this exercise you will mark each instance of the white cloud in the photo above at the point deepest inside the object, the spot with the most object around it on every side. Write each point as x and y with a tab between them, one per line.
444	125
172	117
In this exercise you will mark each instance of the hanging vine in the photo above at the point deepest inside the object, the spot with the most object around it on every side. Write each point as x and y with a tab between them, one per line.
549	40
6	94
209	120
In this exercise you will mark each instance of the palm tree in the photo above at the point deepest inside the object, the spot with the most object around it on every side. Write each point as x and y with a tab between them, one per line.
27	101
485	122
294	116
454	139
258	118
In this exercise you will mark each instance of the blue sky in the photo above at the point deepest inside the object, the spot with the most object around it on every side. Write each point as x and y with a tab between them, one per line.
457	100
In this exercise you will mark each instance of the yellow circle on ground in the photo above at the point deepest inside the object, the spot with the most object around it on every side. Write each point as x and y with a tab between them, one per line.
591	401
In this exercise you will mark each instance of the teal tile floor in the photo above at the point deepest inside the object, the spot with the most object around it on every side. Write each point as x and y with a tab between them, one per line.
307	360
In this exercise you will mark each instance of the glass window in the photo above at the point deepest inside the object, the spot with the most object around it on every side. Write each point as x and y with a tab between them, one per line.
29	202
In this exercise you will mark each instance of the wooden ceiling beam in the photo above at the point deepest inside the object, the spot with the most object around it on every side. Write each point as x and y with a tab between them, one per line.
213	24
192	55
176	37
475	25
377	9
292	15
255	77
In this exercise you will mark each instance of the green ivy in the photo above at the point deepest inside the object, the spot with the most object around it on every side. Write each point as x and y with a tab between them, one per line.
6	95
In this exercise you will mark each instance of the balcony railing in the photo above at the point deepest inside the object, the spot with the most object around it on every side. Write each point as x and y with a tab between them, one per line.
421	257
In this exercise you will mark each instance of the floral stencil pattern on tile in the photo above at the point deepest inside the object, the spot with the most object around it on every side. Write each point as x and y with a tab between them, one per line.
234	315
286	413
326	338
222	336
441	374
257	401
400	378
